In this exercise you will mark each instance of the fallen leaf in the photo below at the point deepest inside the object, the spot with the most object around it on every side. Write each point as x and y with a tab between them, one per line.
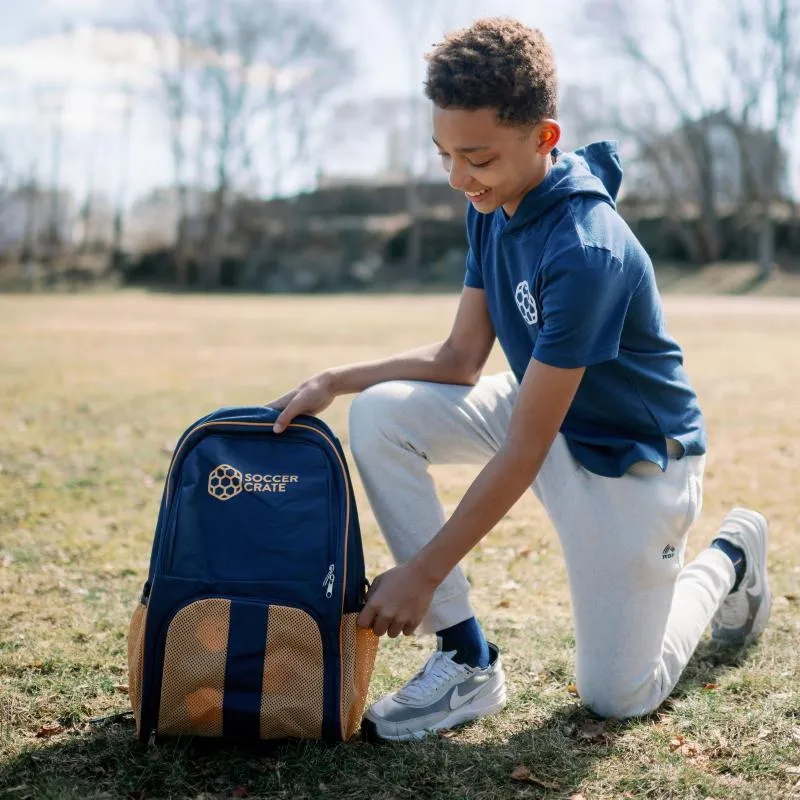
504	604
46	731
121	687
680	744
764	734
676	743
573	689
792	598
793	770
522	774
796	734
240	791
710	686
524	553
593	731
446	733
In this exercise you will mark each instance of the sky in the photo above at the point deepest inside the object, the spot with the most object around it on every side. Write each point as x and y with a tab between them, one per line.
44	42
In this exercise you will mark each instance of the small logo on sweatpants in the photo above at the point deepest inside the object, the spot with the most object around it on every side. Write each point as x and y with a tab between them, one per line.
669	552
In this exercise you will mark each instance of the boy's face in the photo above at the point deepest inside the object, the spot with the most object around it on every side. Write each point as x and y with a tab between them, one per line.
493	164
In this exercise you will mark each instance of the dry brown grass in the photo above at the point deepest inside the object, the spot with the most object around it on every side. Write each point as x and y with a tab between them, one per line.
94	391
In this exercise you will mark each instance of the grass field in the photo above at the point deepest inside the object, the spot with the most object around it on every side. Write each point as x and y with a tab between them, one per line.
94	391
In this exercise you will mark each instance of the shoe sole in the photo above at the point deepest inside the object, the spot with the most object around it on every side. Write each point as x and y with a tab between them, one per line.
765	609
370	733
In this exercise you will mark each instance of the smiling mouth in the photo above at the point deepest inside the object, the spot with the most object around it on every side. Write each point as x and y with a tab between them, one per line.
477	195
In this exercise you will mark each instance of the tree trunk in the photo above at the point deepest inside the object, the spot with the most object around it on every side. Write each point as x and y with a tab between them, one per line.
414	246
212	260
708	230
182	243
766	244
766	233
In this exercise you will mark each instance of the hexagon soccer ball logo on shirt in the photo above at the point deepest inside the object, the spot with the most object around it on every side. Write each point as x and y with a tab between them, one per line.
224	482
526	303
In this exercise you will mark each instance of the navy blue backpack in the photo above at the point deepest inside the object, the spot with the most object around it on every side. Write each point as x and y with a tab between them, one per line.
246	626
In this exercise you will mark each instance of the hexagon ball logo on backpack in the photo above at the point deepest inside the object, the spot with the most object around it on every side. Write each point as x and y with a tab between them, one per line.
225	482
526	303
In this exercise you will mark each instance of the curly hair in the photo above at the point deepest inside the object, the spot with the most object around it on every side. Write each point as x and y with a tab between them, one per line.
495	63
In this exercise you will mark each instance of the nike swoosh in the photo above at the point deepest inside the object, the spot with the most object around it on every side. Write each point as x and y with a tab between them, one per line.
457	700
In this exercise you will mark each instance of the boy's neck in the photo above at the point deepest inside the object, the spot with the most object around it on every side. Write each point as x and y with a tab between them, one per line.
548	165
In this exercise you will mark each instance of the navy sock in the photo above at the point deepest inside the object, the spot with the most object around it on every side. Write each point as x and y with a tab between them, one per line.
736	555
468	641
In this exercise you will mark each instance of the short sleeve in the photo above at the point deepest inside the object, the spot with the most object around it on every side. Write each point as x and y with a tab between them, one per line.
474	276
584	297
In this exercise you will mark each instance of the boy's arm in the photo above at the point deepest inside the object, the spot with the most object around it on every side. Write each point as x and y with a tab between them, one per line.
459	359
399	598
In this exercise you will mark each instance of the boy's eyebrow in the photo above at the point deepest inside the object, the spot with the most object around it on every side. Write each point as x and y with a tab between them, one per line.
475	149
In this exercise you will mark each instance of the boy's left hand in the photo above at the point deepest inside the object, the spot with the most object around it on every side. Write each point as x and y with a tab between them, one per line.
397	601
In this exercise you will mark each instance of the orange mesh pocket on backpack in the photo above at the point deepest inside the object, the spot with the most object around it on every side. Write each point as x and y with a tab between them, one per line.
193	680
292	689
359	649
136	660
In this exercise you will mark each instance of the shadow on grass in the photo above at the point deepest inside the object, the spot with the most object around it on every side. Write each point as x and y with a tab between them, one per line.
108	762
708	664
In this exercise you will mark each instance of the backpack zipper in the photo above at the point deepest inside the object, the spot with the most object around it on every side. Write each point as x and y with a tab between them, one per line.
329	580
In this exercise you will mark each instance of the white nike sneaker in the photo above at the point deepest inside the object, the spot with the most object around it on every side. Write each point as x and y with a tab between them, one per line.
743	614
442	694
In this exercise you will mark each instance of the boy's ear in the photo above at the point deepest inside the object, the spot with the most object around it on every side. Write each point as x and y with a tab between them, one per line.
548	136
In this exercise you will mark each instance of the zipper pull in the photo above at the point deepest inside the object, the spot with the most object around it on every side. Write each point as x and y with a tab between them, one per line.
329	581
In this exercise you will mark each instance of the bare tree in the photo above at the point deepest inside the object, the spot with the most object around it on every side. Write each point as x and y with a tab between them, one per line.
770	97
755	48
265	60
242	81
5	182
175	61
419	23
413	19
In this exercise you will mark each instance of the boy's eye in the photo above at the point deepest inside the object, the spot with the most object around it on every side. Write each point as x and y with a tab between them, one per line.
484	164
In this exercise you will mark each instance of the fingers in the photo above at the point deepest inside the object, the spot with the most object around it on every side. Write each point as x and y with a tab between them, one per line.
385	623
280	402
381	624
287	415
395	629
366	617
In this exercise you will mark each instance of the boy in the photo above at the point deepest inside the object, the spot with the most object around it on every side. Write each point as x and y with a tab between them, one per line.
597	416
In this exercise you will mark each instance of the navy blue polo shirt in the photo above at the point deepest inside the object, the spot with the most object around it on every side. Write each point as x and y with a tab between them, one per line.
567	283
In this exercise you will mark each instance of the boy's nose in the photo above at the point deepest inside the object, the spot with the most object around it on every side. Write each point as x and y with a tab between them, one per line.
458	178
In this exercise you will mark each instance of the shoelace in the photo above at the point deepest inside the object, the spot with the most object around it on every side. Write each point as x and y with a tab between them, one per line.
439	669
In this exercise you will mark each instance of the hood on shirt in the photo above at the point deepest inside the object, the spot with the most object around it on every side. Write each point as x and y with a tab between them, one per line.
594	171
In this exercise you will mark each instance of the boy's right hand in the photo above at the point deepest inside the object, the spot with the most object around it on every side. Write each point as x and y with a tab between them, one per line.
310	397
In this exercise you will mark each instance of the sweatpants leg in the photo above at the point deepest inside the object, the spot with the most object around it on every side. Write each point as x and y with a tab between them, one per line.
398	429
638	612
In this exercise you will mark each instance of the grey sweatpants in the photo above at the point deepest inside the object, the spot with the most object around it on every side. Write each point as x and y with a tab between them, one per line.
638	611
